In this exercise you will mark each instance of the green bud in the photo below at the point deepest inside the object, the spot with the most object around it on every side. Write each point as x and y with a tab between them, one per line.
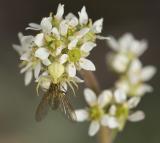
56	70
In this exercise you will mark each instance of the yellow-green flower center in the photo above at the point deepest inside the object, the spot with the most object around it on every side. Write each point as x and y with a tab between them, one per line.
74	55
95	113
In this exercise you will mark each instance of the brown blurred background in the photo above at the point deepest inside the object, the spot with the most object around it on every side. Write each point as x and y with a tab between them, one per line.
18	103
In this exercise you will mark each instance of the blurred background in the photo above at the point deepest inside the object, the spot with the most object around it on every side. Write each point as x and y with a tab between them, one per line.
18	103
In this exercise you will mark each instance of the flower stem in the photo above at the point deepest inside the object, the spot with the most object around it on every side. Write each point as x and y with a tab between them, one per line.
105	134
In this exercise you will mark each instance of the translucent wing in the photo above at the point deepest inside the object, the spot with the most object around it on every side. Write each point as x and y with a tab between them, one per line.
42	108
67	108
54	101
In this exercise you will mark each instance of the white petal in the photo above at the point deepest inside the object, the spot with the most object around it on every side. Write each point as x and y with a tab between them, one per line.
42	53
26	68
56	32
78	80
45	83
25	57
148	72
112	110
46	24
104	98
37	70
63	28
59	50
120	96
109	121
87	64
26	42
144	88
139	47
123	84
97	26
73	21
90	97
72	44
28	77
83	16
82	33
137	116
113	44
18	49
46	62
93	128
88	46
71	70
39	40
82	115
63	58
60	11
125	41
33	26
135	71
136	65
133	102
120	63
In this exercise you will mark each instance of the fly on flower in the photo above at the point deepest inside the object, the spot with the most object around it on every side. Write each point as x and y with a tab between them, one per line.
55	98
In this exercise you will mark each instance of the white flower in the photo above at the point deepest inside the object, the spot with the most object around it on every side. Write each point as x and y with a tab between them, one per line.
60	11
95	112
97	26
83	16
66	40
138	74
119	63
127	44
25	44
76	57
125	50
63	27
39	40
80	34
72	20
45	25
28	70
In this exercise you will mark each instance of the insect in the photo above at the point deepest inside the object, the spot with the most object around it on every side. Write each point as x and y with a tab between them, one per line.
55	98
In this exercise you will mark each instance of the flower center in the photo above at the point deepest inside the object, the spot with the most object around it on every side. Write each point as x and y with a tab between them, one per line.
95	113
74	55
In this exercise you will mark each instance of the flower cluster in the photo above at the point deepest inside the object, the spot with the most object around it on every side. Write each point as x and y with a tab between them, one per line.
109	109
125	60
60	48
112	108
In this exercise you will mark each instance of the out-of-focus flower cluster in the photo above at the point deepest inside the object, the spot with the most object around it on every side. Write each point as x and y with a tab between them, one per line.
112	108
60	48
125	60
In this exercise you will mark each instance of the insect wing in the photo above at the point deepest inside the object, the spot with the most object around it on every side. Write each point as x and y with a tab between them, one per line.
42	108
67	108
